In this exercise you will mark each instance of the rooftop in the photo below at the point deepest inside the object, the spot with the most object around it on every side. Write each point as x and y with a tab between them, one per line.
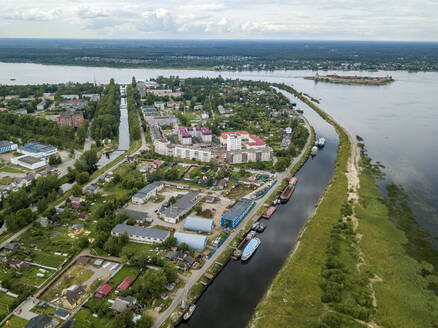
237	209
186	202
140	231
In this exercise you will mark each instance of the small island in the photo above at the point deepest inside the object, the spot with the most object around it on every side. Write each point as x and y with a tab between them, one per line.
363	80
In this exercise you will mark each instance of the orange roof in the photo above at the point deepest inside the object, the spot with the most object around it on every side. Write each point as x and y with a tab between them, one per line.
257	141
125	283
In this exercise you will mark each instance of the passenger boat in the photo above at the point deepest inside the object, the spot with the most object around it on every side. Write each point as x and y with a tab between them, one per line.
269	211
189	312
321	142
250	248
261	228
287	193
314	151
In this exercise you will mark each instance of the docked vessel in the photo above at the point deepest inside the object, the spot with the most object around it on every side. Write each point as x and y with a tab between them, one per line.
250	248
189	312
314	151
321	142
269	211
293	181
287	193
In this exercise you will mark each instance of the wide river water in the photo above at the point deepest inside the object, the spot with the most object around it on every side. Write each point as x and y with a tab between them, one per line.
399	123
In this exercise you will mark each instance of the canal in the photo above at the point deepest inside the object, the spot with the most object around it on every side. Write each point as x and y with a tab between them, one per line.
123	138
231	299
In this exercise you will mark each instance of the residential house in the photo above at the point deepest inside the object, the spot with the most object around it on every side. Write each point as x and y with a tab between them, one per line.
122	303
103	291
41	321
73	296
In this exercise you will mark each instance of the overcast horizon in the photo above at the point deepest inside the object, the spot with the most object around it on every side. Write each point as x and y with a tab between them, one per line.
314	20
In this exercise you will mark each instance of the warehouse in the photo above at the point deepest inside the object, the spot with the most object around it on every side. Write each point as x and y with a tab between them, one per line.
144	194
37	149
237	213
174	212
199	224
140	234
193	241
29	162
6	146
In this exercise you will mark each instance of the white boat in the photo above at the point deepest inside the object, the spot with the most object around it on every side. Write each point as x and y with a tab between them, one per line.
314	150
189	312
250	248
321	142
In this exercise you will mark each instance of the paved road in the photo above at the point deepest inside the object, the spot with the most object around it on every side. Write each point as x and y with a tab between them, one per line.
15	236
181	294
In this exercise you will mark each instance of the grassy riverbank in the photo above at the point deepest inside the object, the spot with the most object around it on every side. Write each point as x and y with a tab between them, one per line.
381	274
404	281
294	299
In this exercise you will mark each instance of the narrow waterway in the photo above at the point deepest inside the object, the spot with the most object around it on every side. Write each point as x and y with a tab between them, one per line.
123	137
231	299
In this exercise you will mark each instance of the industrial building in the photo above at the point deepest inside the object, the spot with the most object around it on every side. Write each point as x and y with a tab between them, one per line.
7	146
36	149
140	234
199	224
29	162
196	242
175	212
144	194
232	217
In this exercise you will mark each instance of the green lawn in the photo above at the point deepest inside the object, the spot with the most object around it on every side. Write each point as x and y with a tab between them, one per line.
5	304
47	259
124	272
15	322
84	318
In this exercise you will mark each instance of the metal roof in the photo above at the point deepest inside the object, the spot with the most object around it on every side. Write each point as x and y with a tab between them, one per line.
194	241
185	203
140	231
198	224
237	209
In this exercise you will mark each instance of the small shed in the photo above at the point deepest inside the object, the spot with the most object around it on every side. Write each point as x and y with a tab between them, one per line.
194	241
199	224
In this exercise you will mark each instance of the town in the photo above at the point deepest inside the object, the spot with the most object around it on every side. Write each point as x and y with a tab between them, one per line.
137	195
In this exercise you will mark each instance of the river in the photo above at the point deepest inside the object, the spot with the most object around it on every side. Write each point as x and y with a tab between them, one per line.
398	121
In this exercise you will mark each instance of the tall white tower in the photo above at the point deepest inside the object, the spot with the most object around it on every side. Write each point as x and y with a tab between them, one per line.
234	142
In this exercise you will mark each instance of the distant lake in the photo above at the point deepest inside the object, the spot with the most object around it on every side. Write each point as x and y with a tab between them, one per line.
399	121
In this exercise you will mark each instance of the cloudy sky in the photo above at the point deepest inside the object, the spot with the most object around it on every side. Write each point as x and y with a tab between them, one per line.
415	20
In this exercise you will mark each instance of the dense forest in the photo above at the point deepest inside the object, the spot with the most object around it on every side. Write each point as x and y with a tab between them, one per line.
133	98
30	128
225	54
107	116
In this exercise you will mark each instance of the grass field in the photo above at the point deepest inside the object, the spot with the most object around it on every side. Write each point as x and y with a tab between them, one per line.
294	299
85	319
126	271
47	259
5	304
15	322
403	299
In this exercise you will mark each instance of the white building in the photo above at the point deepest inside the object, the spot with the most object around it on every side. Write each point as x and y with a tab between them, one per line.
234	142
205	115
36	149
70	97
30	162
141	234
144	194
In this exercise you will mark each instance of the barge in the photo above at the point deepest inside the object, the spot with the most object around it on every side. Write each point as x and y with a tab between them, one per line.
237	253
287	193
269	211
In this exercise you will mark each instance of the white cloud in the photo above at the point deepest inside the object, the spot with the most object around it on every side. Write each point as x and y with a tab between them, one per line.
316	19
34	14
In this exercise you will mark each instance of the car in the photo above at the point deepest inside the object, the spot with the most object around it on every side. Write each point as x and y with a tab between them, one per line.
19	311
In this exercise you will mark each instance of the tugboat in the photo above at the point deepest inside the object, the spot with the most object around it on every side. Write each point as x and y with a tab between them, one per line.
321	142
189	312
314	151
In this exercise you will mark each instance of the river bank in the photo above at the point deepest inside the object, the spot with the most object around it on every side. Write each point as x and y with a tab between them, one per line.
351	80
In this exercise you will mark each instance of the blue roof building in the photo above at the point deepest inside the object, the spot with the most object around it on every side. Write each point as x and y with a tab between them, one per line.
6	146
194	241
237	213
198	224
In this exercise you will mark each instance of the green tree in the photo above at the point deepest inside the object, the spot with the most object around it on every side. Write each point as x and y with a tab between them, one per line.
145	322
82	178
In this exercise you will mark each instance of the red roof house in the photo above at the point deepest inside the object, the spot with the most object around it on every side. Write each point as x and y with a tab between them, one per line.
125	284
103	291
